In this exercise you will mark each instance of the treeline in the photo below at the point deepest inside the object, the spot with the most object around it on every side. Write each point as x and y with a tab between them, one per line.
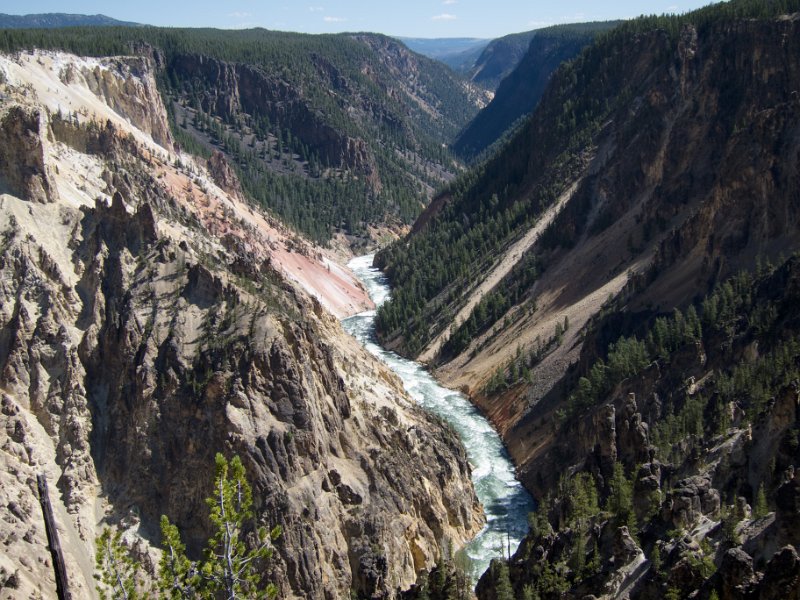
708	15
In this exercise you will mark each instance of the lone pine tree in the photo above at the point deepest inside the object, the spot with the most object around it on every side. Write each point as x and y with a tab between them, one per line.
230	567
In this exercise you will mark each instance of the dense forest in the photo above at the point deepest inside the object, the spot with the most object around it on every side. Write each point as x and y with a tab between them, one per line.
307	120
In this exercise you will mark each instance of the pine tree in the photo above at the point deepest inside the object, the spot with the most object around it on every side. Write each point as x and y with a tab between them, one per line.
673	594
530	593
230	567
502	589
583	500
655	561
761	508
229	570
117	570
174	569
620	501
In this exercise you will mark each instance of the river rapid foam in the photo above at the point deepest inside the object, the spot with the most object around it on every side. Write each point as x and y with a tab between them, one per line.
504	500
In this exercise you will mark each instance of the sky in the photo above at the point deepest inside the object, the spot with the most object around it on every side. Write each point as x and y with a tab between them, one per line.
412	18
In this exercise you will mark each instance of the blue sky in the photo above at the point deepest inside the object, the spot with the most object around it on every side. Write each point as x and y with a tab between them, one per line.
414	18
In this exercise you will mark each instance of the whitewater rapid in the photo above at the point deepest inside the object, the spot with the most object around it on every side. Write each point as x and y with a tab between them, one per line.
504	500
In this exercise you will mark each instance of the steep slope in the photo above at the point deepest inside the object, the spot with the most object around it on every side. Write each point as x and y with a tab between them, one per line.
669	150
500	58
151	318
685	433
521	88
333	133
646	165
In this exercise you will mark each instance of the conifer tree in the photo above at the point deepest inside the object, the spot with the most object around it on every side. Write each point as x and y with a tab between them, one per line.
174	569
230	569
503	589
761	509
117	570
620	501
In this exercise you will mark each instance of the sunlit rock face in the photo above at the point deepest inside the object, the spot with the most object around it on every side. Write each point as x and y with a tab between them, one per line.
149	319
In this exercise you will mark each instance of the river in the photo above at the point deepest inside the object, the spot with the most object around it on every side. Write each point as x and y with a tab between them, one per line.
504	500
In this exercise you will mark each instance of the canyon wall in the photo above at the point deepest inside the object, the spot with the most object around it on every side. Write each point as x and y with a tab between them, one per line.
149	320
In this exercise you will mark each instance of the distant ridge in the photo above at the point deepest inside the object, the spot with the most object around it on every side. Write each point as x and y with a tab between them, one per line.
520	89
56	20
459	54
439	48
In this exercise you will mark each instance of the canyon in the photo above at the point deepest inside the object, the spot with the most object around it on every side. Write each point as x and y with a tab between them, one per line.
150	318
613	283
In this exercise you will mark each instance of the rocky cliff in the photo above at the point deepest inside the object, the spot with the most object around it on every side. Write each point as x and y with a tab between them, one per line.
681	476
150	319
232	89
686	195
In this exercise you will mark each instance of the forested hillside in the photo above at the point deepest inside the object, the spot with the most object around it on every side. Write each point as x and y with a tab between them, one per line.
605	287
584	117
499	58
330	132
520	89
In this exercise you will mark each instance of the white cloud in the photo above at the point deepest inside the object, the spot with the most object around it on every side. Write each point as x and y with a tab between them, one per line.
239	14
334	19
444	17
539	24
315	9
450	2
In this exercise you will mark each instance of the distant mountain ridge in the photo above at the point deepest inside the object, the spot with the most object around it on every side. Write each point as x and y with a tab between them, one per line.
499	58
56	20
484	61
523	84
442	48
460	54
